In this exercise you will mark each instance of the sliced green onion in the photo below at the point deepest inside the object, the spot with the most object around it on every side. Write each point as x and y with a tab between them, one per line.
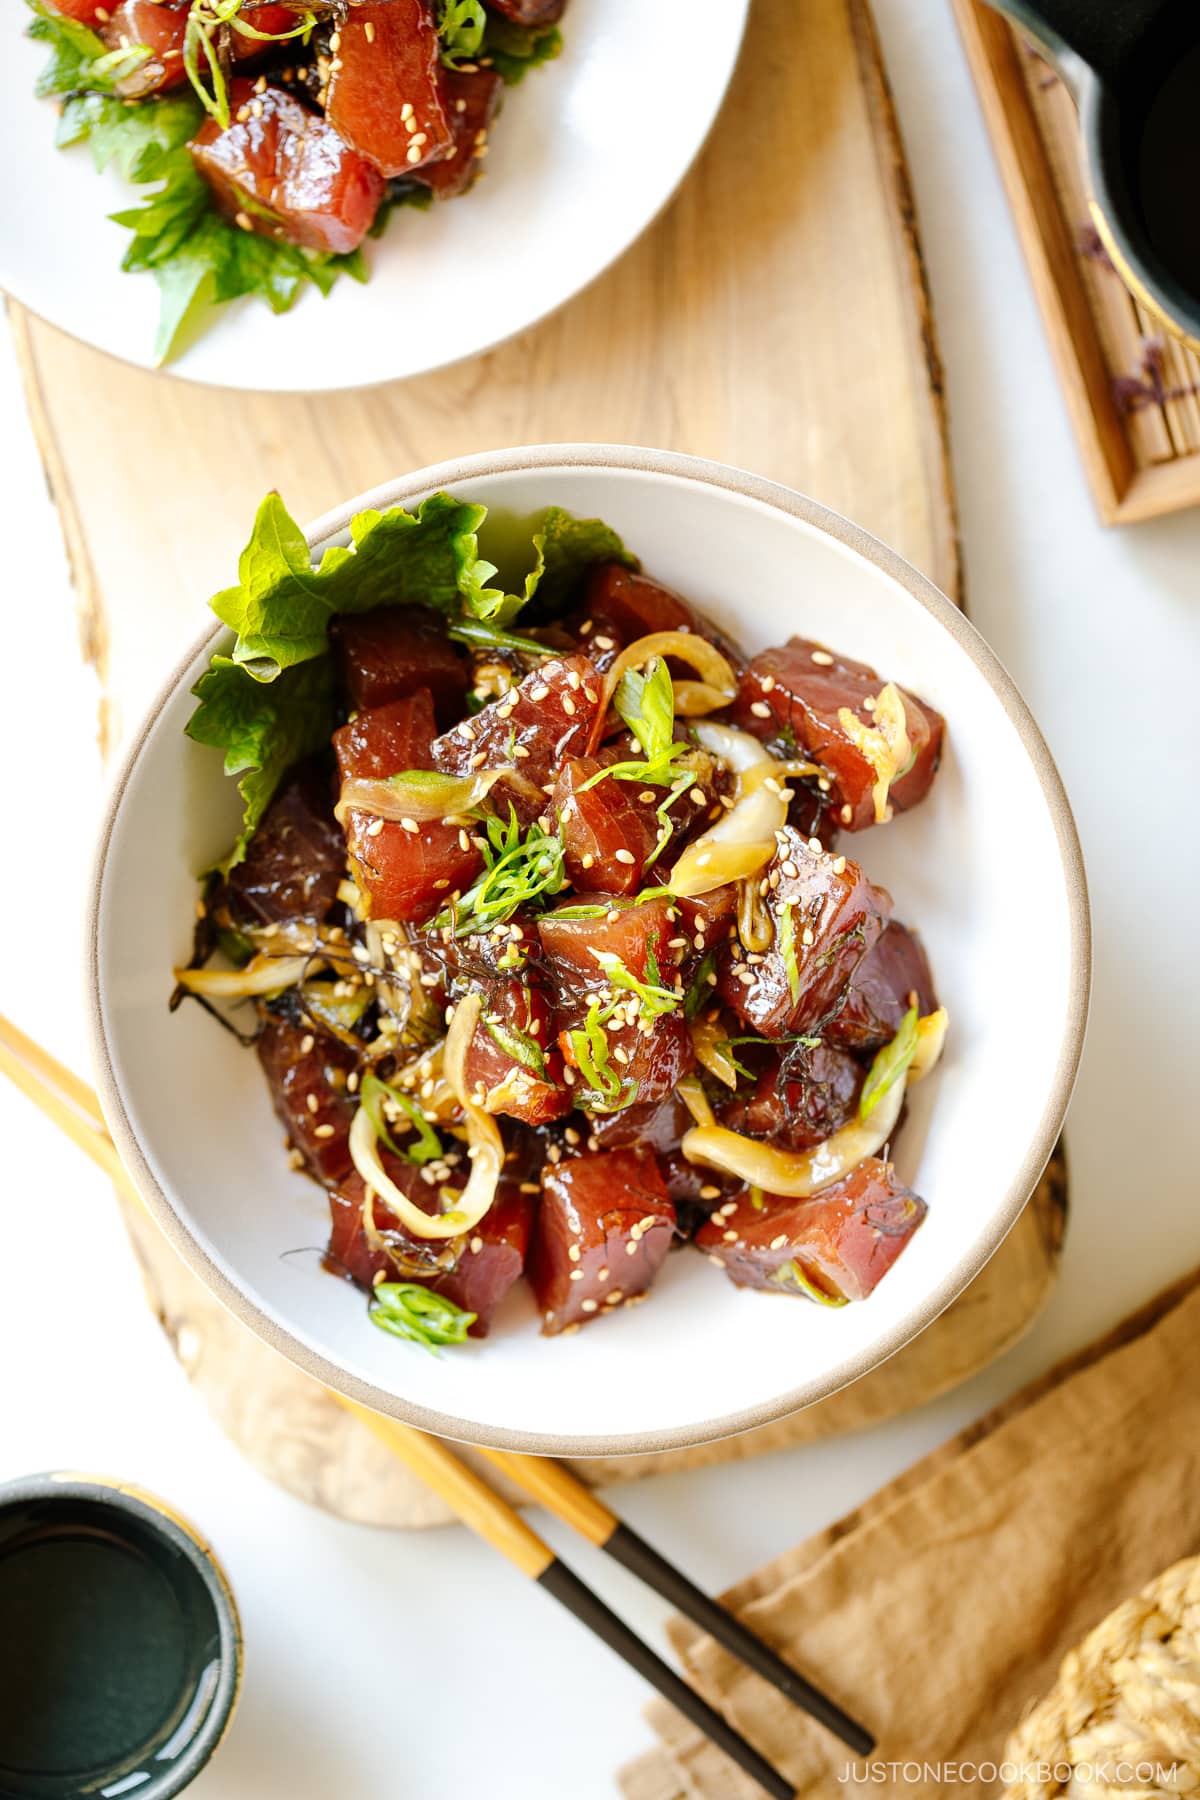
407	1310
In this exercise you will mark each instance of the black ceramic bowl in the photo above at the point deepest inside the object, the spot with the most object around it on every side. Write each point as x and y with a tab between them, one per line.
120	1649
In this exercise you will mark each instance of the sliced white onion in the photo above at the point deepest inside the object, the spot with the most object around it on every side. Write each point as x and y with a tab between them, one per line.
710	1040
716	688
737	846
931	1039
485	1148
262	975
793	1173
742	842
885	744
691	1092
420	794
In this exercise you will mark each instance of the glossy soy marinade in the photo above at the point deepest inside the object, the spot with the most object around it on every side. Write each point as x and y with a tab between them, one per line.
562	956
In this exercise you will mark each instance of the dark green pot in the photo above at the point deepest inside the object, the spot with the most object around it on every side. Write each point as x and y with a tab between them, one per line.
120	1648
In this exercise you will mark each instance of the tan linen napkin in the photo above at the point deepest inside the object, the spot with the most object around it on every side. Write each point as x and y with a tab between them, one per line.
940	1610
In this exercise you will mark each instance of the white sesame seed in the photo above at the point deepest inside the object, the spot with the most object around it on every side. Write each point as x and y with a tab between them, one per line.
411	826
625	856
822	658
590	1306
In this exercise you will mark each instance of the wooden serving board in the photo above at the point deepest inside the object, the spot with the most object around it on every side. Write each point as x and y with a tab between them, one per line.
1132	390
777	317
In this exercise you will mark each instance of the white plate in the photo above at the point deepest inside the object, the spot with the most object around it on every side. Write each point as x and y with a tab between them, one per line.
588	150
988	869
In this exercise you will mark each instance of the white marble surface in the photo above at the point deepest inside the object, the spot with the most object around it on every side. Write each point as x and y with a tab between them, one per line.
422	1663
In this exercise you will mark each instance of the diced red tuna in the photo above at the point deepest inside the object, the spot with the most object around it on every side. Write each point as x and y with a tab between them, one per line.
543	722
474	1272
513	1062
387	740
624	605
530	12
306	1071
836	916
656	1125
608	831
799	1099
648	1065
284	172
386	95
472	99
842	1242
801	686
405	874
295	859
634	933
882	988
161	29
602	1231
396	651
87	12
408	875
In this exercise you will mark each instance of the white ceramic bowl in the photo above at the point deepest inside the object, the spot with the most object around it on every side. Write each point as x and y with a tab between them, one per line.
988	869
568	189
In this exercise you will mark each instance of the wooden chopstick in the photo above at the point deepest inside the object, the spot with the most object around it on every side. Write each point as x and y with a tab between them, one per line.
64	1097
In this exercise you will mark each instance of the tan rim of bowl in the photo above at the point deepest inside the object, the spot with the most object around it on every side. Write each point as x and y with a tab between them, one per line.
271	1329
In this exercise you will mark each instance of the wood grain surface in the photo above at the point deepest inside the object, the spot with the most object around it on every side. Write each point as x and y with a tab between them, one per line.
776	316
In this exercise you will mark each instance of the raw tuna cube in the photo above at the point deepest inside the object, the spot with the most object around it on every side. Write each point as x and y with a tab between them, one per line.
634	933
303	1065
545	720
386	95
474	1272
603	1228
472	100
801	687
656	1125
842	1242
530	12
801	1098
513	1064
161	28
295	859
282	171
649	1065
87	12
835	915
633	606
401	650
473	958
608	831
882	989
405	874
387	739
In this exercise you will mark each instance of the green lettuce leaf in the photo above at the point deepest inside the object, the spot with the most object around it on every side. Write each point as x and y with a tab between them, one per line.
281	606
564	549
262	730
514	49
271	701
78	57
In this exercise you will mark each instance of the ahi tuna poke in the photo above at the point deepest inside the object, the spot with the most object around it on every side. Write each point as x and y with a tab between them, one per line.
278	137
546	924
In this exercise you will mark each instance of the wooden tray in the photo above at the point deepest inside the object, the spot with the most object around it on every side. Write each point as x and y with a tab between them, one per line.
776	316
1133	393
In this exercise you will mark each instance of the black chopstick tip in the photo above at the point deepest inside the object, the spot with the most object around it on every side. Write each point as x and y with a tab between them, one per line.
644	1561
591	1611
